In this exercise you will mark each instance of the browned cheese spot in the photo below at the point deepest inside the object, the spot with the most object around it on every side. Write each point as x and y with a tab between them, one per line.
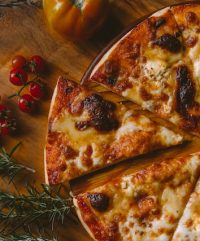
99	201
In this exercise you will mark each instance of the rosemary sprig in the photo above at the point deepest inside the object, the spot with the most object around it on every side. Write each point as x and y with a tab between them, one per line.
25	238
8	166
34	208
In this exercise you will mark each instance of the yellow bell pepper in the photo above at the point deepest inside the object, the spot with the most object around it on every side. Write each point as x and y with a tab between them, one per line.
76	19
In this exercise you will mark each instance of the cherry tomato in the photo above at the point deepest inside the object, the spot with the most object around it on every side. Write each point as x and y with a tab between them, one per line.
18	62
7	126
37	64
37	89
3	108
26	103
4	128
18	76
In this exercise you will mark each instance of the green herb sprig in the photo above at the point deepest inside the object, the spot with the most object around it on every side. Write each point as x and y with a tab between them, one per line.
8	166
22	211
25	238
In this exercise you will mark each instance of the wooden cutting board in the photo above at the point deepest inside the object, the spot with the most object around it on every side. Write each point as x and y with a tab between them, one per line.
24	31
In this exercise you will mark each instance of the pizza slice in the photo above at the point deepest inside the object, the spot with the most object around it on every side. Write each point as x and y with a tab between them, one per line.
143	206
189	225
87	132
147	66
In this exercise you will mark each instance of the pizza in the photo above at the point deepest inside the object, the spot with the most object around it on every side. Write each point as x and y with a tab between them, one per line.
143	206
156	65
189	224
87	132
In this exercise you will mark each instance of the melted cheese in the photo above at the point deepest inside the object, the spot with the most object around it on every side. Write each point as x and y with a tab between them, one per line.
97	141
132	230
167	136
189	225
159	81
134	124
154	69
96	157
66	124
168	191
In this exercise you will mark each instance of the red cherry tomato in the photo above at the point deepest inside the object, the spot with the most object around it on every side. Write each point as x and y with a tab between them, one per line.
5	128
3	108
37	64
37	90
18	62
26	103
18	76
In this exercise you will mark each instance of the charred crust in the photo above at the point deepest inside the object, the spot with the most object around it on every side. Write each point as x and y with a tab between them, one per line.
99	201
100	232
168	42
159	22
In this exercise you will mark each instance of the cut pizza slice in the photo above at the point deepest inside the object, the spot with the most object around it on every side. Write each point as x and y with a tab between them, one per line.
87	132
143	206
189	225
147	66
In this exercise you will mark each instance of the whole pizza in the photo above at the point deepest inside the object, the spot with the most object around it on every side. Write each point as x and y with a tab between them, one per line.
155	65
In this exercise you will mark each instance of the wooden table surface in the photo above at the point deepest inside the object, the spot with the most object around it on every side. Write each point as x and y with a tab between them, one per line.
24	31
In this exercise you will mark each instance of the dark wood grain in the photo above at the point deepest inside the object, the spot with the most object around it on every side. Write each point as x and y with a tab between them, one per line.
24	31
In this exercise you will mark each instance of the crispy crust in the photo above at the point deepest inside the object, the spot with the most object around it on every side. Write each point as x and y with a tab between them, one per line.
143	204
91	223
81	219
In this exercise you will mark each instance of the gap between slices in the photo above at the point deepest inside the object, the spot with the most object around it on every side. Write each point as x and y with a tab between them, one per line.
87	132
143	206
156	65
